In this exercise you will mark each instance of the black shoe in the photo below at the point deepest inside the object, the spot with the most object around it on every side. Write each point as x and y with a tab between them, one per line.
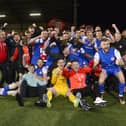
19	99
84	105
40	103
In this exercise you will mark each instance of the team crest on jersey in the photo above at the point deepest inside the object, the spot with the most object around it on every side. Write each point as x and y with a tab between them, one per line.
112	58
40	72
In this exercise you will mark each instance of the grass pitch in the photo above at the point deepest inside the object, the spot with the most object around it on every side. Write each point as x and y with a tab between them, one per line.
62	113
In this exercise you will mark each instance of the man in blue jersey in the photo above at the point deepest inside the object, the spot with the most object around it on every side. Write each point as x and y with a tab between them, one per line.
90	45
111	61
39	46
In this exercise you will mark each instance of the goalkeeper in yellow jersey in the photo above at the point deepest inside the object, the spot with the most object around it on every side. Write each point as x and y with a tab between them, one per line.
60	86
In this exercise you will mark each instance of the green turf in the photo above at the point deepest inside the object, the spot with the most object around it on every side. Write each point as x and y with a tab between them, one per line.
62	113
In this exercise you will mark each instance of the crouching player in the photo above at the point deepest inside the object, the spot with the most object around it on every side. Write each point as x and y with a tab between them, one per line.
111	61
77	78
60	86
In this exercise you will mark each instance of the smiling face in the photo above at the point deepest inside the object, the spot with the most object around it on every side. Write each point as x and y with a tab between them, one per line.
105	45
17	38
31	29
75	66
66	36
117	37
31	68
44	34
98	34
61	63
89	34
40	63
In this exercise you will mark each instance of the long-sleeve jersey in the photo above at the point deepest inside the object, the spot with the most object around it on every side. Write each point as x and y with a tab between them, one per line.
58	80
77	79
32	80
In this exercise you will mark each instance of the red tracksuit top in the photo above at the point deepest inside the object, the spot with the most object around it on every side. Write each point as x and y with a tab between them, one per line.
77	79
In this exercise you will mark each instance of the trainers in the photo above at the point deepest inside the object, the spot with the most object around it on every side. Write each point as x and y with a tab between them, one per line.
19	99
122	100
100	102
46	100
76	102
48	104
85	105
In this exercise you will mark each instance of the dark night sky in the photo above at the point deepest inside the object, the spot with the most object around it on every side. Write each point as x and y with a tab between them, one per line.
102	12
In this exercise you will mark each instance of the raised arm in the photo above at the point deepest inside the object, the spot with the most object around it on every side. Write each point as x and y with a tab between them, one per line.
96	60
32	40
66	71
109	35
115	28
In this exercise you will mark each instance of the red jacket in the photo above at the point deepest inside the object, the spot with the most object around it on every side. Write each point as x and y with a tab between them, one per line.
77	79
3	52
26	53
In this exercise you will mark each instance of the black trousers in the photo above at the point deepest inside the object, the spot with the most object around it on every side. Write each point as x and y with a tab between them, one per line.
92	88
3	74
10	72
27	91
